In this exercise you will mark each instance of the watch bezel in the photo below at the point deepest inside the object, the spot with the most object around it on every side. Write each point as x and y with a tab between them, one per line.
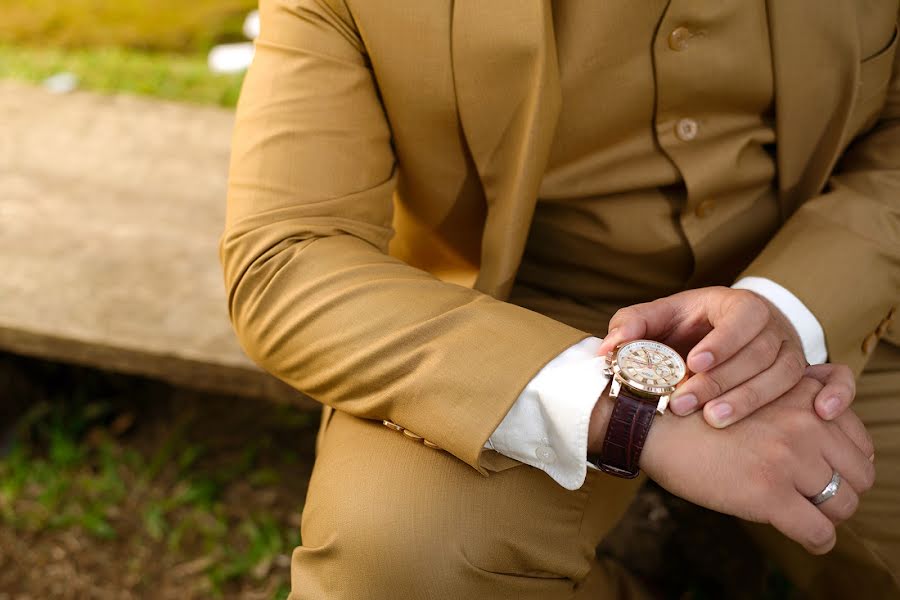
653	390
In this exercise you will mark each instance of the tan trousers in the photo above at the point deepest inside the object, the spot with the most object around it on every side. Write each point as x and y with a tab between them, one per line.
387	517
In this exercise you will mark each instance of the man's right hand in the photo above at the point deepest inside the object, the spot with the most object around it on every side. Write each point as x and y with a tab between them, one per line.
764	468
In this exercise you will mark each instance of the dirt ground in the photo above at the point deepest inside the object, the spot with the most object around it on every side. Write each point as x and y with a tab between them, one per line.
241	468
202	498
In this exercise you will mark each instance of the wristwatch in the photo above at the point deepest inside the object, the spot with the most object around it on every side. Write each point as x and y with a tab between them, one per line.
644	374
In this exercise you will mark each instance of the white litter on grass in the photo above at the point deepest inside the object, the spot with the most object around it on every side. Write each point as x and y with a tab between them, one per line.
251	25
230	58
61	83
234	58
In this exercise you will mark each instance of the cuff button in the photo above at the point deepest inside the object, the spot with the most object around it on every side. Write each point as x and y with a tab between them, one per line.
412	435
392	425
869	343
545	454
431	444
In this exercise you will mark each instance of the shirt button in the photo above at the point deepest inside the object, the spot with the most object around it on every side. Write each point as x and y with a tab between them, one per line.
704	209
545	454
686	129
678	39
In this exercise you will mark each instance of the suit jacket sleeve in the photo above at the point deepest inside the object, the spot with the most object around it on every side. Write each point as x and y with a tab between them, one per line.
839	253
313	295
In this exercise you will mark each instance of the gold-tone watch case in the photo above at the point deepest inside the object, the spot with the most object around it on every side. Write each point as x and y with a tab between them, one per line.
659	394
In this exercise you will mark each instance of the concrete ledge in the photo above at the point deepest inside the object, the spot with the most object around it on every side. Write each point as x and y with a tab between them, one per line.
111	209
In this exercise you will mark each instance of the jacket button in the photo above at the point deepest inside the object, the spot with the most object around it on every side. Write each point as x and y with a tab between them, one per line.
678	39
412	435
869	343
392	425
686	129
431	444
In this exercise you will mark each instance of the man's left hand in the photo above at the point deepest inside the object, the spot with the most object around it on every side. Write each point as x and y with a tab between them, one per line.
743	352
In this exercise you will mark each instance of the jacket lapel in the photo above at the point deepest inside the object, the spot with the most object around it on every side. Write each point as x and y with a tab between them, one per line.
508	94
815	55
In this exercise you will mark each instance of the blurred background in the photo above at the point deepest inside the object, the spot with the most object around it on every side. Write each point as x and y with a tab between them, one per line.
142	455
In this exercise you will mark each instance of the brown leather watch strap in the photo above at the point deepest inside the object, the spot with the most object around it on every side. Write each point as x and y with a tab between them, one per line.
628	427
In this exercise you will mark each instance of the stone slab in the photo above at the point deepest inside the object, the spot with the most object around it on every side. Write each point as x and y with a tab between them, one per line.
111	209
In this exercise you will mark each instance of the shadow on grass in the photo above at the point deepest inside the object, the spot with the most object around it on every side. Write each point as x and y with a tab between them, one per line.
115	486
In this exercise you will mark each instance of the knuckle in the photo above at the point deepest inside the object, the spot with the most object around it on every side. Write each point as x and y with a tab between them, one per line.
845	377
751	397
765	349
781	450
868	477
868	443
619	316
773	464
753	306
795	366
809	386
820	536
799	422
846	506
711	386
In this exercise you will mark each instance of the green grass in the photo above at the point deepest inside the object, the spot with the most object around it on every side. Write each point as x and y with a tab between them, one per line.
67	471
158	25
169	76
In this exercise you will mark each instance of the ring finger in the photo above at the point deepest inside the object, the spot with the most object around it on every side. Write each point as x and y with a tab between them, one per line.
838	507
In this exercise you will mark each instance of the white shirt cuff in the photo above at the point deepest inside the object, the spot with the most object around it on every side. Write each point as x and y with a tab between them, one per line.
812	337
547	427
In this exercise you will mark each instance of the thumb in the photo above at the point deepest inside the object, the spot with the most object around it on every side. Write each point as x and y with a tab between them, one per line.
838	391
651	320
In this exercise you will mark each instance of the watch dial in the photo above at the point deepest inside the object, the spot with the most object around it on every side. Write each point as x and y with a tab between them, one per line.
650	364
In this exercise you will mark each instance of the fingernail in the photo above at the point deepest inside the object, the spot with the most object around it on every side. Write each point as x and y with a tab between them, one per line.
872	458
684	404
720	413
701	362
831	406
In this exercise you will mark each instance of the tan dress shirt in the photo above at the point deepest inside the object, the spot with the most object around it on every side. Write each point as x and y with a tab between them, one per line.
660	182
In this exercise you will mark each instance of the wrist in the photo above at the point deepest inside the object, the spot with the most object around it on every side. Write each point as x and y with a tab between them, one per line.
599	422
668	437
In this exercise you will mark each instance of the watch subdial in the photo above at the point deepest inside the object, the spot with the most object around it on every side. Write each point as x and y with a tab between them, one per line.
664	371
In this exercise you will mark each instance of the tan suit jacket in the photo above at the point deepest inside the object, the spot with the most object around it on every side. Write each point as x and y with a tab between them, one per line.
452	105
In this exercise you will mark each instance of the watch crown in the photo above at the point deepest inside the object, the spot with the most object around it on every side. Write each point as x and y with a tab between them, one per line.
607	366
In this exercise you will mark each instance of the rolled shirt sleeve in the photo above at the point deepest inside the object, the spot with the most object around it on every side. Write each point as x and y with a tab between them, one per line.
547	426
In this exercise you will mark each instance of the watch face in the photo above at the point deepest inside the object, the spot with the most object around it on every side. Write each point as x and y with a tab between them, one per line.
650	366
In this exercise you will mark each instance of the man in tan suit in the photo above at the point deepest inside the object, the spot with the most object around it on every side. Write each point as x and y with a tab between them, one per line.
432	203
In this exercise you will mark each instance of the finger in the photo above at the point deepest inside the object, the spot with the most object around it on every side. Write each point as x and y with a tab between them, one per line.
847	459
839	390
842	505
813	479
752	359
784	374
854	429
735	323
647	320
797	518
